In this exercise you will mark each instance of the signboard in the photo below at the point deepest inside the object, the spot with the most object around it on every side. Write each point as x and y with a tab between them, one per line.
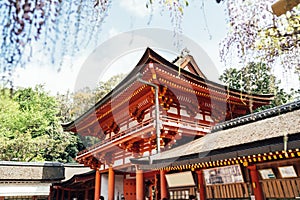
223	175
266	173
182	179
287	172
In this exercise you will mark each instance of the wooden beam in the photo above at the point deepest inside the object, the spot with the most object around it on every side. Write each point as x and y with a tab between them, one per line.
282	6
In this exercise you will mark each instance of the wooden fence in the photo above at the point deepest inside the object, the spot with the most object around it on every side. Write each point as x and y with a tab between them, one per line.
281	188
221	191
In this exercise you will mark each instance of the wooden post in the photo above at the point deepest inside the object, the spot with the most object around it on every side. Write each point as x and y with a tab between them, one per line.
201	184
97	185
163	185
50	194
62	194
69	195
86	194
111	184
57	193
139	185
256	187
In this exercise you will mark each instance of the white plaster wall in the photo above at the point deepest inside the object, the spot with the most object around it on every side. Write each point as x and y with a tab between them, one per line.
119	179
119	188
104	185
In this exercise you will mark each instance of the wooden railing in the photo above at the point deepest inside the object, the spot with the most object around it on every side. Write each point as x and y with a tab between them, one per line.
187	124
145	124
281	188
137	128
221	191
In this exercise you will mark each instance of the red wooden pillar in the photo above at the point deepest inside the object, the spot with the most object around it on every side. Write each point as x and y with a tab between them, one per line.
69	195
201	184
62	197
57	193
163	185
2	198
97	185
86	194
111	184
50	194
139	185
256	187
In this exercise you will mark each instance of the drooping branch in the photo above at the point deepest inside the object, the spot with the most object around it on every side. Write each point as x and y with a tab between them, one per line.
256	34
57	27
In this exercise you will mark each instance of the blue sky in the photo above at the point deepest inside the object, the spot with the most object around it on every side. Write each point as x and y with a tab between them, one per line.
203	22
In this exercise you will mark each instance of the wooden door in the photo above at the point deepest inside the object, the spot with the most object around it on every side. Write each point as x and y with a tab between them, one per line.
129	189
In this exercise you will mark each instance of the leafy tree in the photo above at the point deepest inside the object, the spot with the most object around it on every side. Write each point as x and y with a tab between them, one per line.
82	100
64	102
30	129
256	78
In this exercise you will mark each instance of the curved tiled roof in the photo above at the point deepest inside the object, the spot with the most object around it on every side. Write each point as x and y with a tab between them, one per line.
257	116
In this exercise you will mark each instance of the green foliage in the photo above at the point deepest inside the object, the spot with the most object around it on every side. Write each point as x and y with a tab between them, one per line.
39	110
82	100
256	78
30	128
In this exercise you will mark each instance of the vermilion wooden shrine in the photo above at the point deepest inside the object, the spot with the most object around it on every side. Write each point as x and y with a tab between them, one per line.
158	106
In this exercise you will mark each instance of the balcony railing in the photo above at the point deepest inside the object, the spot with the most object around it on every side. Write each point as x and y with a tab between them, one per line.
144	126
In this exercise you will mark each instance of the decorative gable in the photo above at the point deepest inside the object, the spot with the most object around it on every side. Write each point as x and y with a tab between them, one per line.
187	62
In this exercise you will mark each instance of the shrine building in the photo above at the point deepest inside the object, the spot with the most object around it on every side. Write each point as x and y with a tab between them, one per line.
159	107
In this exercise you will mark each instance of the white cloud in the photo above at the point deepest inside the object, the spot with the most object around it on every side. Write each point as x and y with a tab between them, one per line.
136	7
47	75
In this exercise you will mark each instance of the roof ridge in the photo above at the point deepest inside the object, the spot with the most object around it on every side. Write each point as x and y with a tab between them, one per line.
271	112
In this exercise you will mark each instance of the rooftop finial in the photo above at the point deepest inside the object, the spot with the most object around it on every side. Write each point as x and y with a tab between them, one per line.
185	52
